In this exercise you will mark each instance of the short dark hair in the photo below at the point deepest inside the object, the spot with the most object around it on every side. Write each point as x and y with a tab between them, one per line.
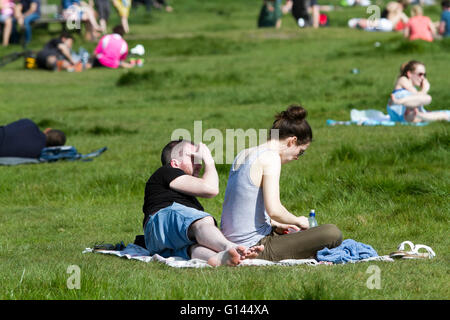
55	138
119	30
66	35
445	4
166	154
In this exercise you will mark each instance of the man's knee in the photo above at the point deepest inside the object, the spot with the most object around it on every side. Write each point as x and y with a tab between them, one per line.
196	225
332	234
203	221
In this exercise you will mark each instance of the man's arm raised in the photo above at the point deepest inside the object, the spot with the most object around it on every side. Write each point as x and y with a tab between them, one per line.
205	187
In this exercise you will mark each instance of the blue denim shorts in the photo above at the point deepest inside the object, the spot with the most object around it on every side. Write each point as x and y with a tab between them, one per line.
397	111
166	231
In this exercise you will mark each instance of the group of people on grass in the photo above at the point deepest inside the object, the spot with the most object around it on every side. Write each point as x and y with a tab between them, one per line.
94	14
306	13
110	52
392	18
254	222
416	27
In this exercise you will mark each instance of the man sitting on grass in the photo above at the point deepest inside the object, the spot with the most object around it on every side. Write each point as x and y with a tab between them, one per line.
444	25
24	139
56	55
175	223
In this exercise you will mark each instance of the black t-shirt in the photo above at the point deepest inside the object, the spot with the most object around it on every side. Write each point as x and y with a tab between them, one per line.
53	44
300	9
21	138
26	4
50	49
158	193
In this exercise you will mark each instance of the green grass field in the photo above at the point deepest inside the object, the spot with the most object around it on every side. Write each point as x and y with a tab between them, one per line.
207	61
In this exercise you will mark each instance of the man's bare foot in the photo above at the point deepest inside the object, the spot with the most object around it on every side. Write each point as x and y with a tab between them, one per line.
230	257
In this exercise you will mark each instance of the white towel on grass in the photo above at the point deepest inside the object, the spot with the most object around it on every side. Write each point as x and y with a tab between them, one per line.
136	252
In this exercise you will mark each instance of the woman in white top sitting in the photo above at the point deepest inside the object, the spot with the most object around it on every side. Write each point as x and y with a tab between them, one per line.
252	211
410	95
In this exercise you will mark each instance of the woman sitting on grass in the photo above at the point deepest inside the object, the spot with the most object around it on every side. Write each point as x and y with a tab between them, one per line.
411	94
419	27
252	212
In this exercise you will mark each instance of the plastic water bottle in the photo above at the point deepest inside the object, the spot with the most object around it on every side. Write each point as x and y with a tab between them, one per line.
312	219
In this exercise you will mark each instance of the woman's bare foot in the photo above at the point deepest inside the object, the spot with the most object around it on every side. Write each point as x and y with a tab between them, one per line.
254	251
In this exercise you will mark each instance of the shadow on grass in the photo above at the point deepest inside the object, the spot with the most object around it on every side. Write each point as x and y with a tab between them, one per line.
95	131
196	46
392	46
169	77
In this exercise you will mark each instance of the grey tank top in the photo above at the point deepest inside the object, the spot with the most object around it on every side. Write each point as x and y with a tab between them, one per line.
244	219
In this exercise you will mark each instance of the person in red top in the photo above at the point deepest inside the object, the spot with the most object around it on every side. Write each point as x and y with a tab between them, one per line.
419	27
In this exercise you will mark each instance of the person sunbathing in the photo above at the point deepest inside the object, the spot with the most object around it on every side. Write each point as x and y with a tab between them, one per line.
24	139
419	27
112	51
252	212
175	223
392	19
410	95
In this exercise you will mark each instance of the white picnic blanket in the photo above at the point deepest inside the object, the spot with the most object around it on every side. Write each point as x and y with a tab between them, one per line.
136	252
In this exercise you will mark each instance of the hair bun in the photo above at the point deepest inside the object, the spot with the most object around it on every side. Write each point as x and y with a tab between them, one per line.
293	113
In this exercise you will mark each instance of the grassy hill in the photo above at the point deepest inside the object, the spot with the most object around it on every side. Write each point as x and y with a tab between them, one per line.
208	62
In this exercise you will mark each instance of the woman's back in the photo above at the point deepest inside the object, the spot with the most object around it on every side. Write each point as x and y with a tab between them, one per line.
419	28
244	219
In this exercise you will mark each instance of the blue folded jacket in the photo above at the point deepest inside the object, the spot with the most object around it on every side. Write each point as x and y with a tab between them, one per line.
349	250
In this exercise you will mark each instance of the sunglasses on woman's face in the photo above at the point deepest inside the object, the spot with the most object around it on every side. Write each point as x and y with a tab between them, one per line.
422	74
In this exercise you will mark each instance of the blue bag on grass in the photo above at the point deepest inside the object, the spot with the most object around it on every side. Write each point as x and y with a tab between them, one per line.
59	153
51	154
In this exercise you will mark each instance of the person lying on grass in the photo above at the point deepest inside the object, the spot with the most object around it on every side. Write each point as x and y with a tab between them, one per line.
24	139
253	214
175	223
410	94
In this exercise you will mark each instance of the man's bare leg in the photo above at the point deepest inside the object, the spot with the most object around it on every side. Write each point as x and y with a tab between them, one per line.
215	248
205	232
231	257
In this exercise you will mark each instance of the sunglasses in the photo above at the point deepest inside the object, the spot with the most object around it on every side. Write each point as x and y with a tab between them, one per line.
420	74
